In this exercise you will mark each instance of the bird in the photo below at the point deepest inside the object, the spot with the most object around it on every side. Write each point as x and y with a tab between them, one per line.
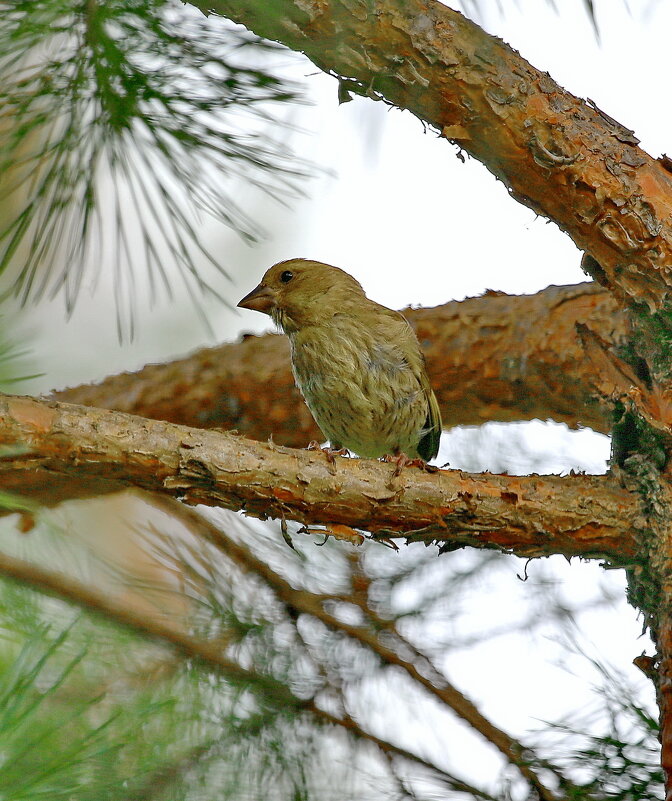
357	363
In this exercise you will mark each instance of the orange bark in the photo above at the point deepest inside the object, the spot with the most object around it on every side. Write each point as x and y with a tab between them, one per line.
664	669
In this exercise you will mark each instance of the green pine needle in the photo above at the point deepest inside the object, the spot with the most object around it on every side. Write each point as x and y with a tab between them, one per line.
122	123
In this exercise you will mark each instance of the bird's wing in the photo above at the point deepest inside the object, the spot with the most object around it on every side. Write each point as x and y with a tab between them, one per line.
428	446
404	337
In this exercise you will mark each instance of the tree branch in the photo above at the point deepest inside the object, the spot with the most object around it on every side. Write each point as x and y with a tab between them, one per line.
589	516
496	357
557	154
67	588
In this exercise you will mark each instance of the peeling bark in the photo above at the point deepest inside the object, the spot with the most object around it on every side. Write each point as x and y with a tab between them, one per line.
588	516
496	357
557	154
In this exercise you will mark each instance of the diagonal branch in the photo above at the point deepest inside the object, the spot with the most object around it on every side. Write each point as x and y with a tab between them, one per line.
450	780
405	655
67	588
496	357
559	155
578	515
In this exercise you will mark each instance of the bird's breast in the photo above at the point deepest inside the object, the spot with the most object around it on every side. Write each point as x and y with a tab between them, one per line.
362	392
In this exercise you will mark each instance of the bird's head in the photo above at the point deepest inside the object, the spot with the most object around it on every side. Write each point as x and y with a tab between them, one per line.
301	292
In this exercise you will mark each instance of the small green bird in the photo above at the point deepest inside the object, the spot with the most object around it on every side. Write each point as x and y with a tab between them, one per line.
358	364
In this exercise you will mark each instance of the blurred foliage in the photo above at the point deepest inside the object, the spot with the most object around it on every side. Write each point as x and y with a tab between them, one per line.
65	734
146	99
89	710
14	358
120	123
10	501
621	760
92	712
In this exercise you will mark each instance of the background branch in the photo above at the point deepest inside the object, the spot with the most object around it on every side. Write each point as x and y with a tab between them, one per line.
378	635
213	655
497	357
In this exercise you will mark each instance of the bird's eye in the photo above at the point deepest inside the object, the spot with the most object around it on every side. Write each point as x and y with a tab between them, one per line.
287	276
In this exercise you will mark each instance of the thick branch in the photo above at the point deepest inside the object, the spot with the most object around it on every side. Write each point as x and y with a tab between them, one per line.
557	154
590	516
496	357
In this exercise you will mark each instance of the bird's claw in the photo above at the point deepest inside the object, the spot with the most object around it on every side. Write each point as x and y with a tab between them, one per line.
330	453
401	461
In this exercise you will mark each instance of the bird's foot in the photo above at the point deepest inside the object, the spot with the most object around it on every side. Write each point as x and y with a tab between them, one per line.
330	453
401	461
336	530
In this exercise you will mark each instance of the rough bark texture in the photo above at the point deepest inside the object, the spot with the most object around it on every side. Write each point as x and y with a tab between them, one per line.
650	585
560	156
496	357
589	516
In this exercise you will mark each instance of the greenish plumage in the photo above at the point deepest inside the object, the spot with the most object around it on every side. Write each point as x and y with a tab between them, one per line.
358	364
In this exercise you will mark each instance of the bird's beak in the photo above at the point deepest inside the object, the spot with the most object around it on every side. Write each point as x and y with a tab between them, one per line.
261	299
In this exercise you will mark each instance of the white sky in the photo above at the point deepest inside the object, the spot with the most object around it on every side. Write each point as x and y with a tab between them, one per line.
417	226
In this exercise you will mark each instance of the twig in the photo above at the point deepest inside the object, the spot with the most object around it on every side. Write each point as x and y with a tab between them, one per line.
427	675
